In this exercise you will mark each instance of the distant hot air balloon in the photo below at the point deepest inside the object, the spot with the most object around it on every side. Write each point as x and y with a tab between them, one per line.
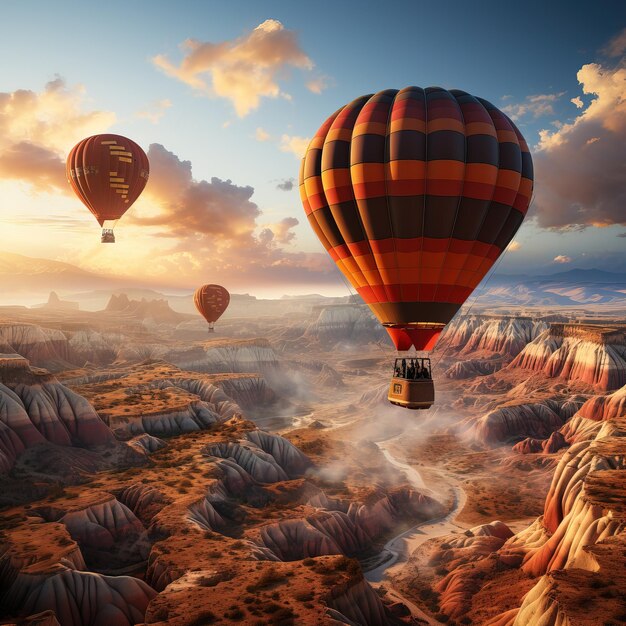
415	194
211	301
108	173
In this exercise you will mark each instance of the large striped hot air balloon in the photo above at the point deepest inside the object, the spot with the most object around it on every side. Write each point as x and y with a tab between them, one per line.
107	173
211	301
415	194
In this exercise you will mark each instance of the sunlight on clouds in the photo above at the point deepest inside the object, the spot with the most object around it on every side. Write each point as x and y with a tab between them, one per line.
38	129
261	134
155	111
243	70
578	102
580	179
616	46
535	106
53	118
317	85
295	145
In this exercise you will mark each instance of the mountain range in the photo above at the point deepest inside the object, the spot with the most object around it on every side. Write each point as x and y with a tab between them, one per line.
29	280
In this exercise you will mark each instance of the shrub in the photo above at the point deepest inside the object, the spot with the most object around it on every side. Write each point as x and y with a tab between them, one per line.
235	614
206	617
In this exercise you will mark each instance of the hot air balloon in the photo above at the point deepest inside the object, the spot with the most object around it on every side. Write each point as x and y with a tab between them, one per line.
108	173
415	194
211	301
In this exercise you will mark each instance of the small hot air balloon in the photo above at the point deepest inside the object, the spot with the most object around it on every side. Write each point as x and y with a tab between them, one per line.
415	194
211	301
108	173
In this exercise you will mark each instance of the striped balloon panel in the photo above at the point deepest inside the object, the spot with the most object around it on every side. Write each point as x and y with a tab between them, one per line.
415	193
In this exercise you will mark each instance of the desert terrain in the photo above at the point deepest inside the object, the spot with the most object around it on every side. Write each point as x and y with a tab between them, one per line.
151	473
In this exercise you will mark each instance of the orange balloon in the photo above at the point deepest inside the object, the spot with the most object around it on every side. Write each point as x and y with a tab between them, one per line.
211	301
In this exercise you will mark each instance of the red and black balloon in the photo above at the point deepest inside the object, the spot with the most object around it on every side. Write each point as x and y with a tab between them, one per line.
415	194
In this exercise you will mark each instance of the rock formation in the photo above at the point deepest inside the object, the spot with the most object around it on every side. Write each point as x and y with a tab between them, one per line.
55	303
57	350
552	444
461	557
86	599
43	347
593	355
512	422
34	580
155	311
347	323
472	368
496	335
41	409
110	536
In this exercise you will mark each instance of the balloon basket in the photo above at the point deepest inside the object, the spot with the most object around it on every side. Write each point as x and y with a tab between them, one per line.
108	236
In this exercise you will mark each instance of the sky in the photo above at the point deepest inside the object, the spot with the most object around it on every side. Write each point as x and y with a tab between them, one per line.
223	97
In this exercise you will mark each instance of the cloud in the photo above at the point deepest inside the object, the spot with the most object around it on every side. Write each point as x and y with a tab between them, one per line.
155	111
562	258
294	144
281	232
261	134
580	166
514	246
53	118
38	166
216	222
317	85
287	184
188	208
578	102
535	106
38	129
243	70
616	46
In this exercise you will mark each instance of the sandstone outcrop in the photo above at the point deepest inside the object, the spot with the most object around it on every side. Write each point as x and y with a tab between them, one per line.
248	391
86	599
512	422
33	581
466	557
323	533
43	347
57	350
596	414
499	335
472	368
349	323
109	534
605	407
145	501
43	410
552	444
147	443
157	311
593	355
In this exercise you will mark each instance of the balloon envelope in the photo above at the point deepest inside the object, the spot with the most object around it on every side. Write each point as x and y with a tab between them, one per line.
108	173
211	301
414	194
